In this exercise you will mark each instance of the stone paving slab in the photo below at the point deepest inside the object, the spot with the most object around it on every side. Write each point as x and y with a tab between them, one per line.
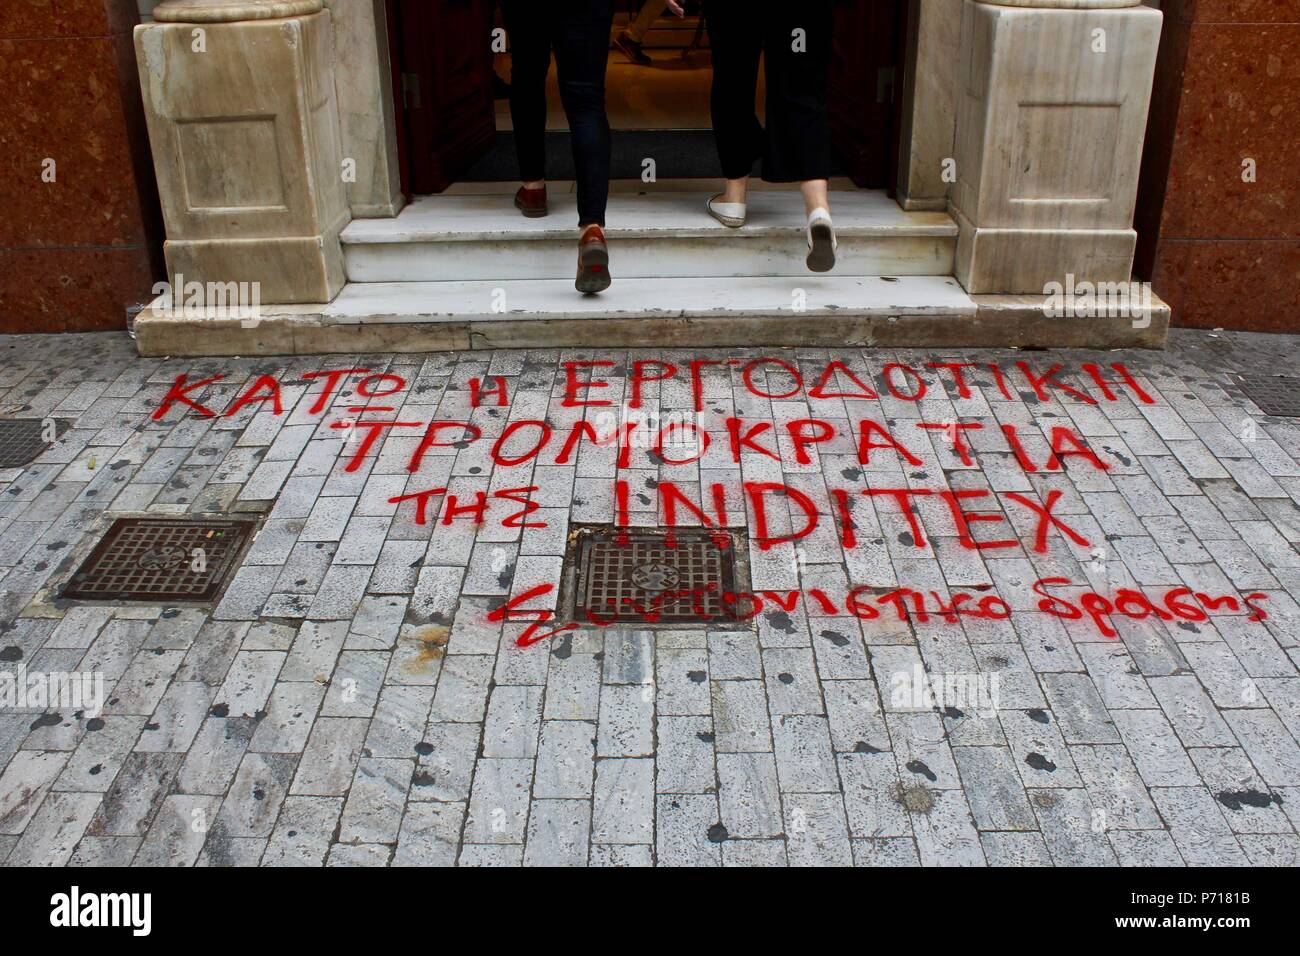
1006	608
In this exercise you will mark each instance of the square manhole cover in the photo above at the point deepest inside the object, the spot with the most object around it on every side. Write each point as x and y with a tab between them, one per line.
161	560
650	577
22	439
1277	395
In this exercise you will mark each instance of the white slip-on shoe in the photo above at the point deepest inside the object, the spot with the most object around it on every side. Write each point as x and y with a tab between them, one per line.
730	214
822	243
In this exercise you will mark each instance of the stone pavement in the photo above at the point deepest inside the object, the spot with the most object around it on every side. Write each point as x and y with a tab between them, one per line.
904	687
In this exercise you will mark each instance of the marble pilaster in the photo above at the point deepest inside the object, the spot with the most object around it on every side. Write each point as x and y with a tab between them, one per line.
1051	110
244	124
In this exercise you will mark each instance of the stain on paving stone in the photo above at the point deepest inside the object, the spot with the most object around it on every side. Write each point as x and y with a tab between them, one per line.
1038	762
914	798
432	643
1236	799
919	767
780	621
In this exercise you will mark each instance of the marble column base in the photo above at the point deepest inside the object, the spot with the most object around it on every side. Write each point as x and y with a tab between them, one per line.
290	269
1015	261
246	142
1052	110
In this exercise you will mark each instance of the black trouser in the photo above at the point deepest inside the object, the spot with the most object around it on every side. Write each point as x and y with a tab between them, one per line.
796	145
578	32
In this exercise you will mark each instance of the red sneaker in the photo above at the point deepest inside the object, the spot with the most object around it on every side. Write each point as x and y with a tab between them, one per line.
593	261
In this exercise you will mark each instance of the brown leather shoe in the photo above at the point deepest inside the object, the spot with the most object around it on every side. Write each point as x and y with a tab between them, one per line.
593	261
531	202
632	49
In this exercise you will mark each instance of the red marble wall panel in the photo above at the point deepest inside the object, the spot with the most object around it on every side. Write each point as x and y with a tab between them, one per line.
75	252
1221	250
1240	100
1243	11
1226	283
71	290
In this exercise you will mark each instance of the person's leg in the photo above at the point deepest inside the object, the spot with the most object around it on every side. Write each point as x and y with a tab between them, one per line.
816	195
736	39
530	61
798	56
651	10
581	54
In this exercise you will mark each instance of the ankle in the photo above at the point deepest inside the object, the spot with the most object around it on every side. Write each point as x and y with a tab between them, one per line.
535	184
815	195
735	190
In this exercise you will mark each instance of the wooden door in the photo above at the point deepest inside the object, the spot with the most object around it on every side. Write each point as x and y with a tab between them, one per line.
444	87
866	87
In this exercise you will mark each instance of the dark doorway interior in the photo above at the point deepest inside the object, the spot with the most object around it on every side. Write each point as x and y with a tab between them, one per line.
455	126
867	89
443	69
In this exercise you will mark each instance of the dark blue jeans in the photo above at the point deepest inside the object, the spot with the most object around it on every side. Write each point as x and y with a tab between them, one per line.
577	31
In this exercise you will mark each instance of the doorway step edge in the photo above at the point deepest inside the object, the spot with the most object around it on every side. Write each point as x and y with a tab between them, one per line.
858	311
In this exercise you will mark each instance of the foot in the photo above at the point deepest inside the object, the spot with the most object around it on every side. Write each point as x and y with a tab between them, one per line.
531	202
730	214
821	241
631	49
593	261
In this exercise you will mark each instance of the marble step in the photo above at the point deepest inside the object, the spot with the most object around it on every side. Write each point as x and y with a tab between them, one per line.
531	300
550	313
689	313
660	234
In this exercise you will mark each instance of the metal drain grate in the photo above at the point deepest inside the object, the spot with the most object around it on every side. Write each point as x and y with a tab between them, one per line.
1277	395
652	577
161	559
22	439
